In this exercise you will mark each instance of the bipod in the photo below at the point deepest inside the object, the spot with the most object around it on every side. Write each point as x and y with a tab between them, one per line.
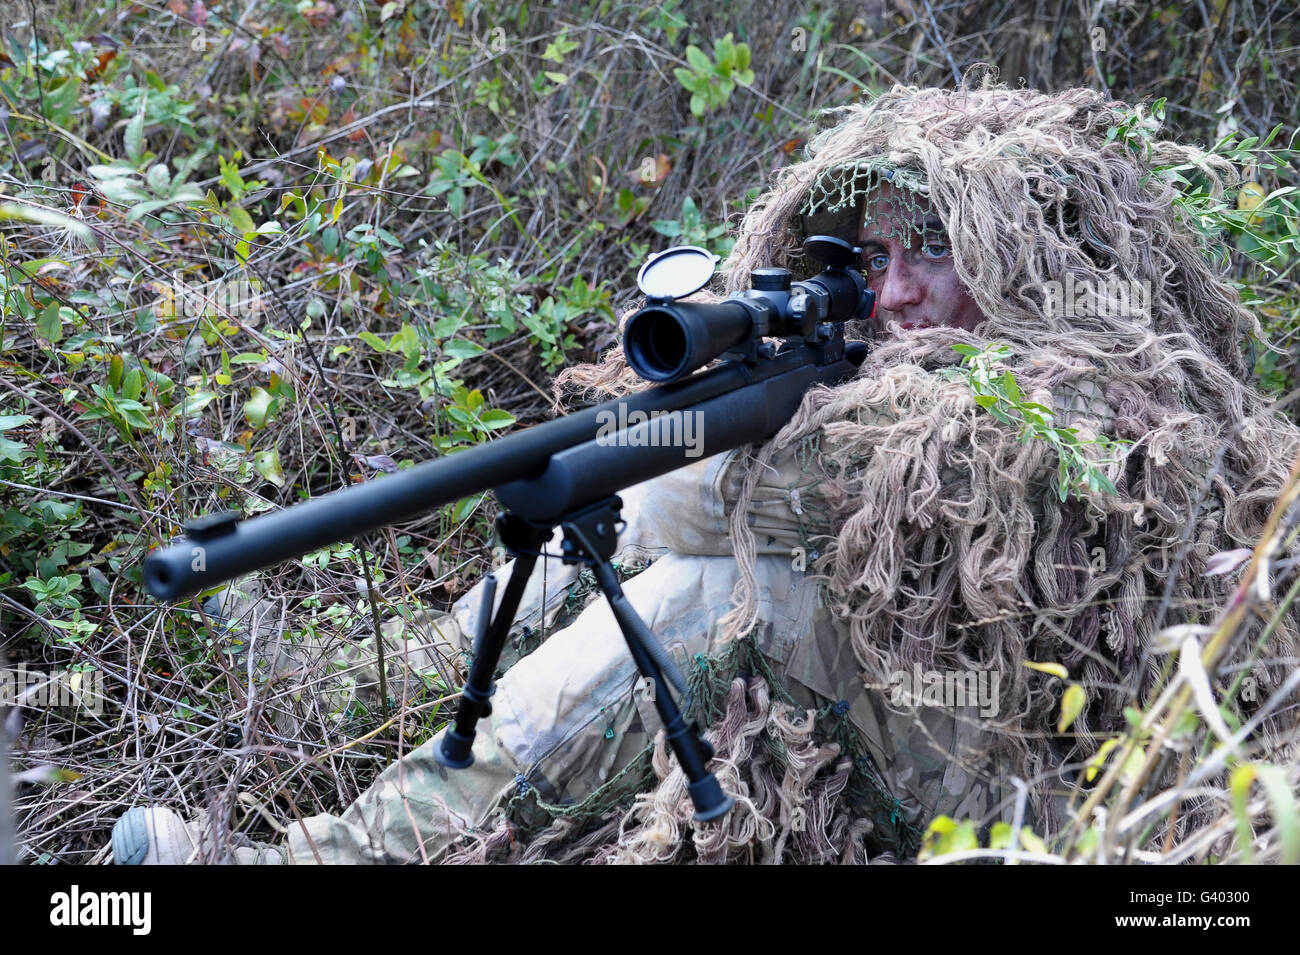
590	537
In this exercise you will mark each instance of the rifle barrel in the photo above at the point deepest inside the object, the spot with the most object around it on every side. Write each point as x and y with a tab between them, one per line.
238	547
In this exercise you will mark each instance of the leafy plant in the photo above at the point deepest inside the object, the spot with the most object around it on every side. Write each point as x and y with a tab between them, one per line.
474	423
664	16
1000	395
691	229
555	53
710	82
455	173
1265	225
946	835
158	189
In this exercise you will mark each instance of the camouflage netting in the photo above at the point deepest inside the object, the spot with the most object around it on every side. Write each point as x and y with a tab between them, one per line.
946	543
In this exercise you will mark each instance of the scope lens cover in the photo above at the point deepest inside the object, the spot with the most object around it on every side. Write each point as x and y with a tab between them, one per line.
676	272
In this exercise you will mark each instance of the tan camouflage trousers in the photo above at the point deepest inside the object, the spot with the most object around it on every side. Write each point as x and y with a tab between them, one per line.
567	717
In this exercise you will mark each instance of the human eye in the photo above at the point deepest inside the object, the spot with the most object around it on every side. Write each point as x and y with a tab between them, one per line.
936	250
877	261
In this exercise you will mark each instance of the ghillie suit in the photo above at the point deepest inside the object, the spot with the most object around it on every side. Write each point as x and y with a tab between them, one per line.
937	541
944	543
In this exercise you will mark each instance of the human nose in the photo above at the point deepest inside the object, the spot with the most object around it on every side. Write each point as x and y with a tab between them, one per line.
898	287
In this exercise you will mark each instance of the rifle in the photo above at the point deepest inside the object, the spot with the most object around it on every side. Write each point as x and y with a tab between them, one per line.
567	472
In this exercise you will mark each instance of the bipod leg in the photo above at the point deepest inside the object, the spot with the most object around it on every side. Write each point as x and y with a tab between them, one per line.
693	752
523	539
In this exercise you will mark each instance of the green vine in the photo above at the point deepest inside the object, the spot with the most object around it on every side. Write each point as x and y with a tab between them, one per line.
999	394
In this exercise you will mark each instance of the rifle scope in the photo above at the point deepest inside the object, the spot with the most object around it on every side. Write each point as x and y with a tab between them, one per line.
668	339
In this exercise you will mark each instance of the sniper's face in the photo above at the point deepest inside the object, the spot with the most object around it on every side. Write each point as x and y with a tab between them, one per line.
907	259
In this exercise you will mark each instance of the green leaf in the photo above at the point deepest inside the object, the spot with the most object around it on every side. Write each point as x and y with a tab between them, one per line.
496	418
1000	838
1098	759
132	384
1000	835
159	178
461	348
267	464
196	401
133	138
12	451
688	79
945	835
8	421
134	413
142	209
465	507
456	202
1072	704
1032	842
1055	669
61	99
374	341
723	50
241	220
1011	386
699	62
258	406
50	324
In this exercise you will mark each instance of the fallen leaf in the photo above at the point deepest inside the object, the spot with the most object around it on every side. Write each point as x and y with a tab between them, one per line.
101	61
652	174
319	15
